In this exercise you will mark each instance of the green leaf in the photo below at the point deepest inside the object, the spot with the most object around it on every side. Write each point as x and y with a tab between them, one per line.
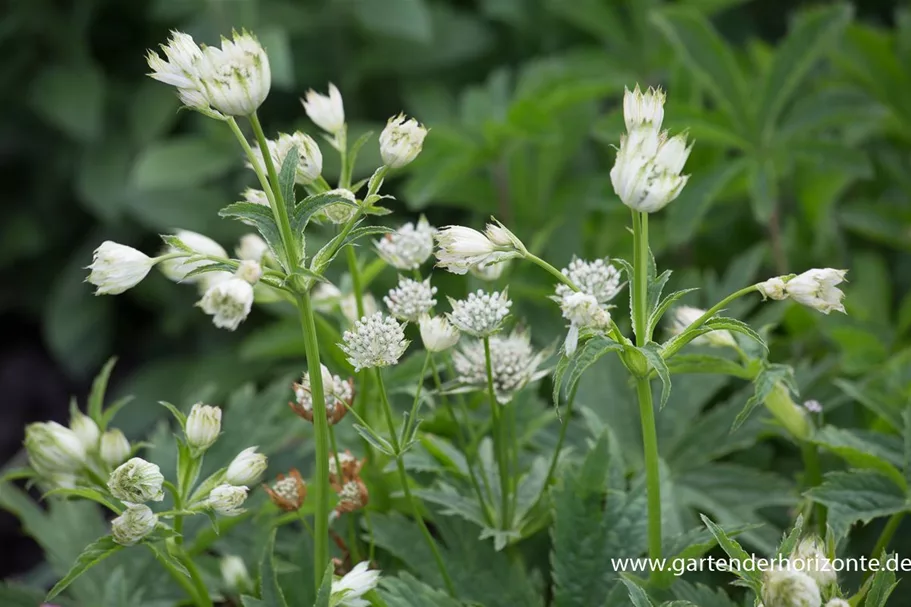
72	99
325	255
859	451
181	162
353	153
407	591
309	206
881	586
637	594
14	595
260	217
585	357
858	495
706	363
96	395
405	19
93	554
85	493
809	37
906	435
736	552
659	311
652	353
378	442
108	416
763	189
286	175
766	381
271	592
789	542
177	413
324	594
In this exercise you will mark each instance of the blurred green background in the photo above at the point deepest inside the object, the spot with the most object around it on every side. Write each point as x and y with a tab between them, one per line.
801	114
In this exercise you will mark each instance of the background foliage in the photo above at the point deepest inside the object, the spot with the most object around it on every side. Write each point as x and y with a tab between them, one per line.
802	121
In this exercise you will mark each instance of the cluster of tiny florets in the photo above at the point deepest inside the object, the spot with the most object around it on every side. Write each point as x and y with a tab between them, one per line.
375	341
337	392
410	299
408	247
596	278
286	488
480	314
513	363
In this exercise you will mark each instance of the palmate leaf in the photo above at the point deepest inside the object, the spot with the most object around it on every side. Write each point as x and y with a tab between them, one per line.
858	495
93	554
407	591
861	451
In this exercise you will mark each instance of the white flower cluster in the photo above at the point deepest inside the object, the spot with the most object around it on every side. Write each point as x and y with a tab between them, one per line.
233	80
401	141
803	580
480	314
646	175
229	302
310	164
684	316
814	288
409	246
410	299
513	360
375	341
338	394
136	522
597	278
582	311
460	249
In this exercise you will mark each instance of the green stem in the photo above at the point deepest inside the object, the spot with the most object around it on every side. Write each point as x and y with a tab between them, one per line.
196	577
885	537
371	549
305	522
667	353
355	271
640	269
500	447
560	440
417	397
263	181
403	477
652	470
321	431
556	273
188	586
813	478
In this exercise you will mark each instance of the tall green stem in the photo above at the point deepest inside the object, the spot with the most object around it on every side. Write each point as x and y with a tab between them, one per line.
888	532
813	478
403	477
188	585
554	271
499	439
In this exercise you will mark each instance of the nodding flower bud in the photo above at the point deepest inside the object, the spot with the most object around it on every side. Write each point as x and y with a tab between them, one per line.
288	492
137	481
227	500
115	447
437	333
338	393
116	268
401	141
235	575
814	288
53	448
247	467
375	341
310	158
785	587
136	523
326	111
203	426
86	429
460	249
347	591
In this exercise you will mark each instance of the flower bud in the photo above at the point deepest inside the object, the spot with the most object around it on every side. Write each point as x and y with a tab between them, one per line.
227	500
788	588
460	248
502	237
203	426
116	268
816	289
177	269
235	79
401	141
133	525
437	333
643	108
86	429
247	467
288	492
228	303
252	248
53	448
234	573
115	447
137	481
339	212
310	158
348	590
684	316
326	112
809	557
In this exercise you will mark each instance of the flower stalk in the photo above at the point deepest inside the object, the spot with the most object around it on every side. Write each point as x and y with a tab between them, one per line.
499	438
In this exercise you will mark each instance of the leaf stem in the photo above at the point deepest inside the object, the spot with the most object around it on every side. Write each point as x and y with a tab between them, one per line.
554	271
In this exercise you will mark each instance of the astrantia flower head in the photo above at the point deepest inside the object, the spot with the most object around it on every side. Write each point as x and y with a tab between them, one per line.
326	111
86	429
352	495
203	426
816	289
582	311
375	341
410	299
514	363
53	448
809	557
349	465
684	316
409	246
437	333
459	249
116	268
227	500
597	278
401	141
310	164
133	525
235	78
339	394
288	492
137	481
115	447
785	587
178	269
183	70
480	314
229	302
347	591
246	467
643	108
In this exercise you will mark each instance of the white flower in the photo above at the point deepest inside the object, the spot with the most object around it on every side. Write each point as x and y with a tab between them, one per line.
310	164
437	333
514	363
227	500
684	316
116	268
643	108
347	591
235	78
247	467
133	525
409	246
115	447
86	429
337	393
182	70
816	289
784	587
177	269
597	278
203	426
460	248
229	302
252	248
480	314
53	448
809	557
375	341
234	573
582	310
773	288
137	481
348	306
410	299
340	212
256	196
401	141
327	112
813	406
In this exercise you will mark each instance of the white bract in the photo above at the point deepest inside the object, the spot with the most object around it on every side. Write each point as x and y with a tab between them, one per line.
137	481
116	268
460	249
408	247
582	310
347	591
810	558
785	587
177	269
375	341
684	316
514	363
646	175
182	70
252	248
115	447
229	302
54	449
203	426
326	111
246	467
256	196
480	314
773	288
86	429
437	333
597	278
136	522
227	500
310	163
401	141
410	299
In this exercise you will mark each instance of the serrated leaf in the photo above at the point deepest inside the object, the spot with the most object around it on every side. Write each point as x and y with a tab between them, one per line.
324	594
173	242
99	387
859	451
325	255
660	309
881	586
789	542
263	220
177	413
407	591
352	156
707	363
93	554
286	175
766	381
311	205
734	550
858	495
636	594
585	357
652	353
378	442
